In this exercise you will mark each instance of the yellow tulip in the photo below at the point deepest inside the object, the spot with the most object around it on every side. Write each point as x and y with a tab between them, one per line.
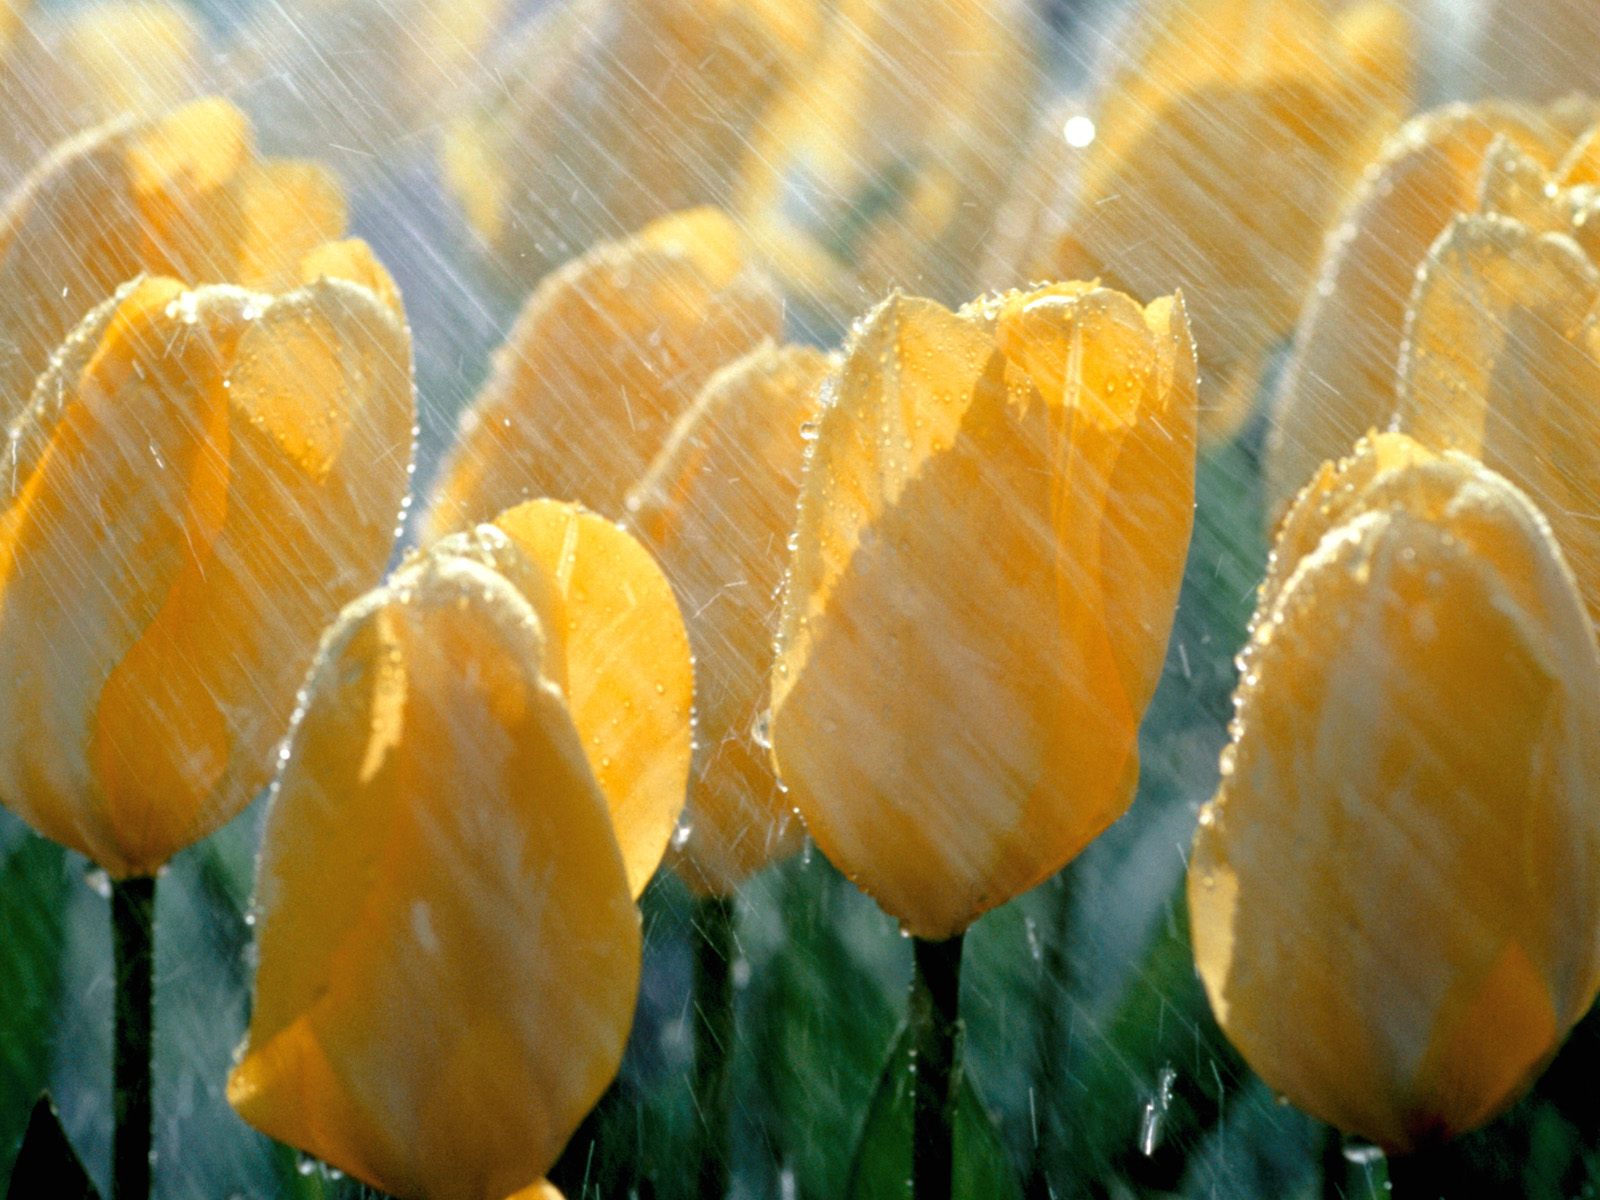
61	74
449	952
884	164
1160	193
607	114
716	509
1394	893
607	354
1503	362
182	195
202	477
991	534
1341	376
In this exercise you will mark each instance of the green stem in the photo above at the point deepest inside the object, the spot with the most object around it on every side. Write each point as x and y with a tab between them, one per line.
133	944
936	1044
713	924
1050	1040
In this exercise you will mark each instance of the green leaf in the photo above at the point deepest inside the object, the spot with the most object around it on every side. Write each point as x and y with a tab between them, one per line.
882	1166
47	1165
34	887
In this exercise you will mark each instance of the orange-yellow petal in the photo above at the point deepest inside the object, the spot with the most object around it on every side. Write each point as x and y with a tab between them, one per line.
1339	382
625	667
1502	361
180	195
449	955
717	508
951	713
266	442
607	354
1403	844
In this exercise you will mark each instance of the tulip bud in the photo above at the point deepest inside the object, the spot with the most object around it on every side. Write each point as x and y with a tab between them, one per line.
1502	362
1158	196
1340	379
66	72
991	534
182	195
1393	894
884	165
717	507
449	952
202	477
607	354
619	652
606	114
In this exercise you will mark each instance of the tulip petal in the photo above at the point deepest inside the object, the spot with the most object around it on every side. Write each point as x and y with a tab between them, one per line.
606	355
1502	361
1418	719
948	581
449	954
716	509
1339	382
178	195
289	421
626	667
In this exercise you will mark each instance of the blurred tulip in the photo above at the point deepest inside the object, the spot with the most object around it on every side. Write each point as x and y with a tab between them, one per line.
1341	376
182	195
606	114
1160	193
607	354
207	473
716	508
1394	894
991	534
66	72
1539	49
884	165
449	953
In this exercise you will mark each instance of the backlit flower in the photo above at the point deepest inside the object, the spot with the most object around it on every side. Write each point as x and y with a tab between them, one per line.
991	533
1394	893
203	476
488	765
717	508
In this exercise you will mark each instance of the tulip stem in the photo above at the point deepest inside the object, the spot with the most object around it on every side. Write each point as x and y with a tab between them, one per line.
936	1035
1051	1038
133	941
713	1037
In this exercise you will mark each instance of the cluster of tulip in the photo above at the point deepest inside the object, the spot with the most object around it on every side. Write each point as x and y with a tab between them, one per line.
916	593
